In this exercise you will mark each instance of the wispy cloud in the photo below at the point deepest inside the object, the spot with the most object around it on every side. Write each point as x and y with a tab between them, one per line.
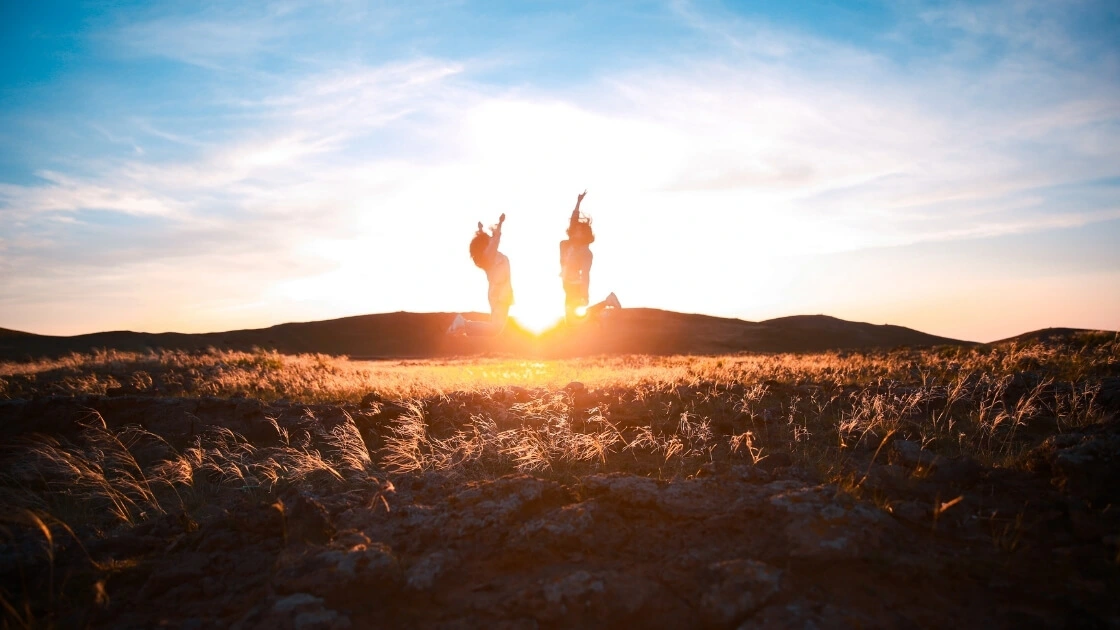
329	183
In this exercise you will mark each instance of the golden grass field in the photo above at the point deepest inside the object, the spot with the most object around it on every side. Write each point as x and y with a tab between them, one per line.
364	427
991	403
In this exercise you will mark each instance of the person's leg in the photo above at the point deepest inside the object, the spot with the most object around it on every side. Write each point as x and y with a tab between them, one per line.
570	315
595	309
575	302
499	313
458	326
571	302
611	301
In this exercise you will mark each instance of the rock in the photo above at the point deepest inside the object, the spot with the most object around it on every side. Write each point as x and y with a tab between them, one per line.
573	589
826	525
812	615
350	539
912	511
1109	395
303	611
320	620
511	497
307	520
909	454
295	601
962	470
627	489
774	461
327	573
739	588
579	598
1083	464
190	567
707	469
888	478
566	527
697	498
751	473
423	575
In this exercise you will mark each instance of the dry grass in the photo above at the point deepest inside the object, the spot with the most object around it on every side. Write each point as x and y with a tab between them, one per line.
477	418
830	413
111	477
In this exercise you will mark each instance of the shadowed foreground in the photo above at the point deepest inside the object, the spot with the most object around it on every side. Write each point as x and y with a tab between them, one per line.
961	486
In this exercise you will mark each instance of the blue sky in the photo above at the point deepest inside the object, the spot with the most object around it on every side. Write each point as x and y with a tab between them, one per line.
953	167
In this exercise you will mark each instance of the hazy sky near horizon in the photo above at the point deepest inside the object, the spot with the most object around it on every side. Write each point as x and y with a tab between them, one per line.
198	166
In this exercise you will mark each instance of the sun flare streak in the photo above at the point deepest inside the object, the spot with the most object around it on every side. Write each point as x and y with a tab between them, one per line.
537	320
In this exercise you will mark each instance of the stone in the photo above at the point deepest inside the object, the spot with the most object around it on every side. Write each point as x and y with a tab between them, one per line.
573	588
738	588
909	454
423	575
627	489
295	601
307	520
823	524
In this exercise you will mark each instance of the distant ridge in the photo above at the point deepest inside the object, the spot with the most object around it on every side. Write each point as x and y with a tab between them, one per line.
421	335
1049	335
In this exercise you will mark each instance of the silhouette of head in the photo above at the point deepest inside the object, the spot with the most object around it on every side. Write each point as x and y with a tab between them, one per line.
479	244
579	231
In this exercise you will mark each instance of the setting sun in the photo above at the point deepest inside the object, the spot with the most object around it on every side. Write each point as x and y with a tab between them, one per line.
590	314
537	317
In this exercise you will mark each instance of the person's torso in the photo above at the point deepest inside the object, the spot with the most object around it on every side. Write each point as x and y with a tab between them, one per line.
497	274
575	263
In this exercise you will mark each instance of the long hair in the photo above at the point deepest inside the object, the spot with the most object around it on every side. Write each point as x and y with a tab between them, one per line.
479	244
579	230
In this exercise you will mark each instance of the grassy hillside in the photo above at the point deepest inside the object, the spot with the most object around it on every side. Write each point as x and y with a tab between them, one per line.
420	335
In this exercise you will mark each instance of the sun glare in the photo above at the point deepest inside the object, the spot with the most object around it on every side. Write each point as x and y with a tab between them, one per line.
536	318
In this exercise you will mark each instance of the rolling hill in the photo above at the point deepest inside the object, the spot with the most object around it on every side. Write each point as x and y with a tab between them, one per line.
1057	335
420	335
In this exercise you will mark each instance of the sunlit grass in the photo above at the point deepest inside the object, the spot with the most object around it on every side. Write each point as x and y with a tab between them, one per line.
322	378
484	416
830	415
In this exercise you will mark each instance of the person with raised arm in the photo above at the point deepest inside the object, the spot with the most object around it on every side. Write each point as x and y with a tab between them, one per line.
485	254
575	268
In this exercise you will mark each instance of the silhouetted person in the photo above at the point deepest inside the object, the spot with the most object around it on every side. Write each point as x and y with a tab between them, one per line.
484	252
575	268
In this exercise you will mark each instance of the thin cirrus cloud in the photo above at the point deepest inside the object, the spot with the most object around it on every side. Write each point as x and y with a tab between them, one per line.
302	181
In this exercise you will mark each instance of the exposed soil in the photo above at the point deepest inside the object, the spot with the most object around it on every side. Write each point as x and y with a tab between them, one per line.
924	541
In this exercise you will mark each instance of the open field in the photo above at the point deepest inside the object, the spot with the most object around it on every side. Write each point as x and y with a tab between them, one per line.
966	484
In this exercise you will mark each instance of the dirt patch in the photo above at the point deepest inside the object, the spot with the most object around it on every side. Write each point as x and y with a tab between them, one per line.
735	545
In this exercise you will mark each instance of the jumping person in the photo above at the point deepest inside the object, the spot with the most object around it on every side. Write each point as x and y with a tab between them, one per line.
575	267
484	252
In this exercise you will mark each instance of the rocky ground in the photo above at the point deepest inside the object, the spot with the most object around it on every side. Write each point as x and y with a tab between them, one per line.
926	540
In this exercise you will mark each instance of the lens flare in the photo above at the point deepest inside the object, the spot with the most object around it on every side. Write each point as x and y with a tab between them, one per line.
536	320
581	310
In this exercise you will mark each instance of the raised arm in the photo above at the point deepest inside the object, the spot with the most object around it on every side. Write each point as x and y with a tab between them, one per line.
575	212
495	237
